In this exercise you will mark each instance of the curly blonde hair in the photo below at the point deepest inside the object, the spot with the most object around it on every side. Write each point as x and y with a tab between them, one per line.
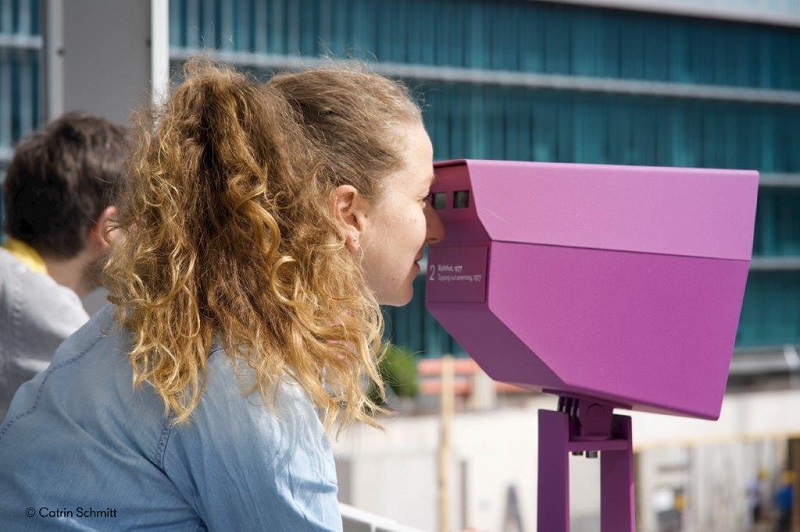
227	235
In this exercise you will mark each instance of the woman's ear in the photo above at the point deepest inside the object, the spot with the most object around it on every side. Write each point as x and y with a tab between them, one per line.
347	207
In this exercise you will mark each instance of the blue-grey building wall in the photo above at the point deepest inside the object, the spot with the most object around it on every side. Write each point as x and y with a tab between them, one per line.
527	80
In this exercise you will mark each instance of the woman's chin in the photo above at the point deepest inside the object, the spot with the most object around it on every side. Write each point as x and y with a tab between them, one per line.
399	299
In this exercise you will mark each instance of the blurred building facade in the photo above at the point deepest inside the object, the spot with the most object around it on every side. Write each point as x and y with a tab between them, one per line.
657	83
674	83
702	83
20	59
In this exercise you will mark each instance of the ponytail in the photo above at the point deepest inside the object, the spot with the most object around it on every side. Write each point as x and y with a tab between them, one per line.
226	235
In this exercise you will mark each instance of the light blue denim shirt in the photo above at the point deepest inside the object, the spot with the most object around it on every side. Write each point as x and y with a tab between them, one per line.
81	449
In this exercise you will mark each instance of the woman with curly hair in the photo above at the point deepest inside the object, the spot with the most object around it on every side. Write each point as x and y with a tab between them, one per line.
262	227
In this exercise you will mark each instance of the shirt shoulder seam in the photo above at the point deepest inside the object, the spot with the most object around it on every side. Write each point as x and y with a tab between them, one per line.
166	431
9	423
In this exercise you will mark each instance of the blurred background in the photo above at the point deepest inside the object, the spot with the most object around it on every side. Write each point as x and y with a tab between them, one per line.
700	83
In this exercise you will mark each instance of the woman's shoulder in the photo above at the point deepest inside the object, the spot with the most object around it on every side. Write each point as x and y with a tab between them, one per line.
233	381
238	421
270	461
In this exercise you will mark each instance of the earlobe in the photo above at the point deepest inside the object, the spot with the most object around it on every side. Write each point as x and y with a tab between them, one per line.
346	205
352	243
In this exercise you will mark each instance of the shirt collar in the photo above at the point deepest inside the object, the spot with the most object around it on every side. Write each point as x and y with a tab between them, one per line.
26	254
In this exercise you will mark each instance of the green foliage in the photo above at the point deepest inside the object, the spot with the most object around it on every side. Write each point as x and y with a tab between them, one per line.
398	369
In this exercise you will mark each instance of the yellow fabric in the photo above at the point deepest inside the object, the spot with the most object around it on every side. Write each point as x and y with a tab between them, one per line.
26	254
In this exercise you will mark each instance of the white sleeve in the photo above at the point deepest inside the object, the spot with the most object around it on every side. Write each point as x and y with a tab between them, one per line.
36	315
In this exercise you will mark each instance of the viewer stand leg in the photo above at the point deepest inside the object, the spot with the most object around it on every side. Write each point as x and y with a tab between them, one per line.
553	492
585	426
617	508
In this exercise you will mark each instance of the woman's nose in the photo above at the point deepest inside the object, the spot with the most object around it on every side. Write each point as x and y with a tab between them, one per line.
435	227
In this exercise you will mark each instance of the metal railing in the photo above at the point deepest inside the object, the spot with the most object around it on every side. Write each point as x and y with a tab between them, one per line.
355	520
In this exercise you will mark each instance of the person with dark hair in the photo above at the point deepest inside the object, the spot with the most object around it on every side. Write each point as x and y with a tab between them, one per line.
57	197
262	226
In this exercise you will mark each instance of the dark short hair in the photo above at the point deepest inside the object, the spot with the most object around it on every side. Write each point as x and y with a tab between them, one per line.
60	180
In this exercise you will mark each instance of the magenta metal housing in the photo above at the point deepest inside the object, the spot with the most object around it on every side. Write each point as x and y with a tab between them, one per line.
618	283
